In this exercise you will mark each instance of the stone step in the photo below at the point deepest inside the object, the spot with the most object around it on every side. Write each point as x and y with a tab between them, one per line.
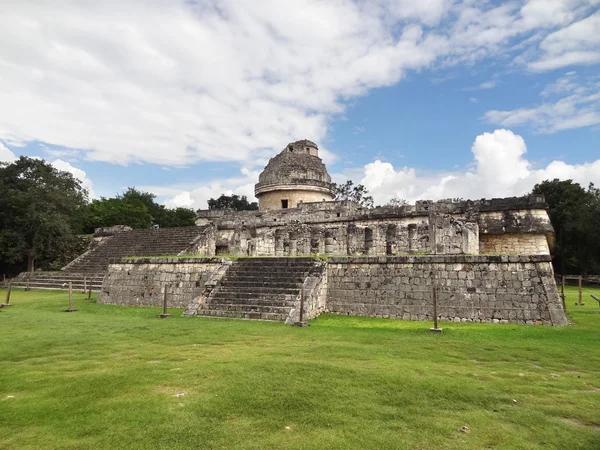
271	317
265	272
259	290
258	284
247	307
265	294
251	301
277	261
265	277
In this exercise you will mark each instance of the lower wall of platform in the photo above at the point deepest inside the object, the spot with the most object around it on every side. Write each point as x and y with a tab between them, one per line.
491	289
142	281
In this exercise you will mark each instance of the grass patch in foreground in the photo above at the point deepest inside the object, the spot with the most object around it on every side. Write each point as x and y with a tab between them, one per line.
111	377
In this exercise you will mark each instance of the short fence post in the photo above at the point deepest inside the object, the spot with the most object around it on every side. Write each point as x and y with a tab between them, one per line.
562	293
27	283
84	284
435	328
7	303
90	292
70	298
579	302
164	314
301	322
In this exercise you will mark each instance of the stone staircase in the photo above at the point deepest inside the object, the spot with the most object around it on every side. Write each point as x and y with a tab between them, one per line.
59	280
258	288
151	242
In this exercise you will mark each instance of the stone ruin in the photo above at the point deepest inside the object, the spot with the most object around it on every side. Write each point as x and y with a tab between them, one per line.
302	254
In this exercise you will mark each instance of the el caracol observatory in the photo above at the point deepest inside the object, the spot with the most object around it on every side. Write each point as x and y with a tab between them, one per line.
296	175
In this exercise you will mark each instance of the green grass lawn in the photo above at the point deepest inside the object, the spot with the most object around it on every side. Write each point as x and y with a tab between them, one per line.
111	377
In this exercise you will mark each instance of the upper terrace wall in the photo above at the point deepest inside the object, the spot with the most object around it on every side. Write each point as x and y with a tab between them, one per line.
343	228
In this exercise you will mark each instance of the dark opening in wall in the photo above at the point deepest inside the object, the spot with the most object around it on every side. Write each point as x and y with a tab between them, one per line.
284	204
222	249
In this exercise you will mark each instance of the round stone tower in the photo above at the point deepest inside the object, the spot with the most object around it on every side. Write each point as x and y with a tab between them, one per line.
295	175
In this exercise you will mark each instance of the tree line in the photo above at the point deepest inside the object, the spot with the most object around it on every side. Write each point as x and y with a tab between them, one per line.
43	211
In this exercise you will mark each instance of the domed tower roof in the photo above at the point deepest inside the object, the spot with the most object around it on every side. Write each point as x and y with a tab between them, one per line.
297	168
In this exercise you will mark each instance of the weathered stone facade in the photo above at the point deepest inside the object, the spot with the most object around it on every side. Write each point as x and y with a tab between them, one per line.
501	289
294	176
142	281
497	226
489	260
489	289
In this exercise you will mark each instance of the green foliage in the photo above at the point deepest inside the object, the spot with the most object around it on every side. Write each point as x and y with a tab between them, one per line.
136	209
575	216
234	202
358	194
114	377
107	212
40	211
397	202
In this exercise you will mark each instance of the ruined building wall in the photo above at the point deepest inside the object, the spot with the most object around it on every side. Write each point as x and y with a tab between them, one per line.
272	200
514	244
342	228
142	281
491	289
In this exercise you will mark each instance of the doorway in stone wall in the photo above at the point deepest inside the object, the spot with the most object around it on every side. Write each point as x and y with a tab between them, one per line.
222	250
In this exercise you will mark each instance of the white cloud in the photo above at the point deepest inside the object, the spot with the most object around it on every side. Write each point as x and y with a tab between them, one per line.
482	86
500	169
578	107
77	173
197	196
6	155
579	43
174	83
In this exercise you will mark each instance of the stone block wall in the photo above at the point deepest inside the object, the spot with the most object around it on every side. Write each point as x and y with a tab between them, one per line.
491	289
514	244
142	281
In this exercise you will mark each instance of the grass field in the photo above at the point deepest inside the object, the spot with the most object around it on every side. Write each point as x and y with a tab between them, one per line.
110	377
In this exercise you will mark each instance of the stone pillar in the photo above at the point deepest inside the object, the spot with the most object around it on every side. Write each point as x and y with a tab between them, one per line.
412	233
293	250
279	241
368	241
390	239
329	242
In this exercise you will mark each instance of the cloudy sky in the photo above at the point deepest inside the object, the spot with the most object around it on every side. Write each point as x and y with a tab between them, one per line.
415	99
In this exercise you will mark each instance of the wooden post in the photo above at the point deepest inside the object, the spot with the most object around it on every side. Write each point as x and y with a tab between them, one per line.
84	285
579	302
435	328
562	293
27	283
301	322
70	298
90	292
7	303
164	314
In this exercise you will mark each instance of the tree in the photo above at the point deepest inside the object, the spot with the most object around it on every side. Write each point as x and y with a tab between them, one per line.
107	212
234	202
39	210
575	216
397	202
358	193
136	209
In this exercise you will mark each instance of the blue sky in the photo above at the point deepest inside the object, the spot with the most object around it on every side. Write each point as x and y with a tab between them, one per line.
421	100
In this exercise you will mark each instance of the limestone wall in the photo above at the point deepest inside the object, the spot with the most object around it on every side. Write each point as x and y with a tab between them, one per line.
492	289
343	228
142	281
272	200
514	244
